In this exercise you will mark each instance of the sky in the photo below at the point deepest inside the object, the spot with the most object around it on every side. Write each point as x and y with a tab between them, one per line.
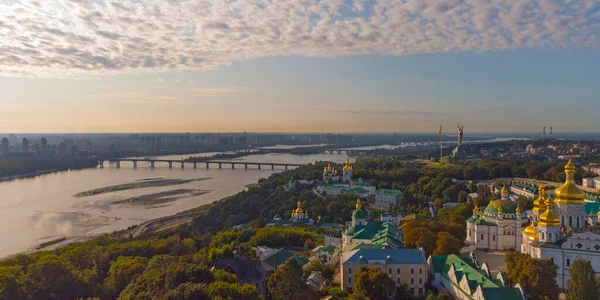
299	65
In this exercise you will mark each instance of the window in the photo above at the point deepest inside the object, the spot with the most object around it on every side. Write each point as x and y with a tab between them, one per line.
412	291
568	262
349	270
420	280
469	233
349	279
550	236
570	221
420	291
552	259
390	271
493	238
543	236
397	280
412	271
398	271
577	221
420	271
482	236
412	281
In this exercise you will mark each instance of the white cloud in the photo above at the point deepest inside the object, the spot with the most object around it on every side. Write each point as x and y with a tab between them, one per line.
217	91
95	38
363	110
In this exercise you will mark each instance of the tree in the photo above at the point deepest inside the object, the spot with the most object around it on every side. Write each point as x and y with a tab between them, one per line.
189	291
327	271
421	237
536	276
286	284
582	284
48	278
373	283
447	244
122	272
233	291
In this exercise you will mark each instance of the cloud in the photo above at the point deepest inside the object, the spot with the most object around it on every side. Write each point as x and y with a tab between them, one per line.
134	97
363	110
217	91
95	38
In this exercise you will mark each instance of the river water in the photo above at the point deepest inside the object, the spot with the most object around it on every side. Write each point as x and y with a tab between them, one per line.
39	209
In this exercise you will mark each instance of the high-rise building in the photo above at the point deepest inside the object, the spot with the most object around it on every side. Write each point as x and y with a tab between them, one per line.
12	139
44	143
25	145
5	148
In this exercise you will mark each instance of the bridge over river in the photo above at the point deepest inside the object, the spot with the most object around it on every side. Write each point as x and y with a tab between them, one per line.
207	163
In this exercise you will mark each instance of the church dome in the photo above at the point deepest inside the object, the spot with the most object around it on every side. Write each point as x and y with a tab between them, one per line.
506	206
531	232
539	204
549	218
359	213
569	193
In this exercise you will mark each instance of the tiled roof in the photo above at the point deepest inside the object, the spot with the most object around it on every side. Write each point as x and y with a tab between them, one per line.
277	258
243	268
396	256
389	192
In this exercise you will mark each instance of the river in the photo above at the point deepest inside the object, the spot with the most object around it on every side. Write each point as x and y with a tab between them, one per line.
39	209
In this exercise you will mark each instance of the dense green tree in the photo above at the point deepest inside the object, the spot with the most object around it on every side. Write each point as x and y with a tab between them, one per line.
287	283
327	271
122	271
48	278
582	284
373	283
536	276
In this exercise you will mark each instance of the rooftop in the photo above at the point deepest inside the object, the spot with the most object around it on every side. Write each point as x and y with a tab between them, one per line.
391	256
389	192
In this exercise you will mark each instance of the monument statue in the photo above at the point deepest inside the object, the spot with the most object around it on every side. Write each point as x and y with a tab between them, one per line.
460	151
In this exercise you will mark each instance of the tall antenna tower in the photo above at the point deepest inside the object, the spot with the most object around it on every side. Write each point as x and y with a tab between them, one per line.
550	132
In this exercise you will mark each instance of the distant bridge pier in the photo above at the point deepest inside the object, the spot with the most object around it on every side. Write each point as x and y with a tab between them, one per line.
286	166
101	164
207	165
135	164
259	166
152	164
170	165
220	165
195	165
246	166
272	167
182	165
118	164
232	166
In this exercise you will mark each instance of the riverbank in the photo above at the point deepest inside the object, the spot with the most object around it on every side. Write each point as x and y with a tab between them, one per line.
137	185
162	197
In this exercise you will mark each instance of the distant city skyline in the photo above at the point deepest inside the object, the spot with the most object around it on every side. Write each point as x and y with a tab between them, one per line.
299	66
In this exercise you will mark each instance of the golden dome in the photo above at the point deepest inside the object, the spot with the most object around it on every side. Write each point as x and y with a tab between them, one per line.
569	193
358	206
518	210
504	191
299	208
347	166
475	210
548	218
531	232
539	205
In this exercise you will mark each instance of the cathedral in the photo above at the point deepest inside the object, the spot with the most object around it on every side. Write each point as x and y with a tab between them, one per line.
331	174
561	230
498	226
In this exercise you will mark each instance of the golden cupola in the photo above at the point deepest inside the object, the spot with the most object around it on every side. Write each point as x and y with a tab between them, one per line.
549	218
531	232
539	204
298	211
569	193
347	166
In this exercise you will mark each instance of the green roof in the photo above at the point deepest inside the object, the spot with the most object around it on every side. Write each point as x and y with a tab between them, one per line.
363	246
464	266
359	214
481	221
378	232
508	206
277	258
592	207
301	260
389	192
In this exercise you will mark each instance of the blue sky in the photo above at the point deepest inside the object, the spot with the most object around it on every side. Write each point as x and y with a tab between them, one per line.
327	66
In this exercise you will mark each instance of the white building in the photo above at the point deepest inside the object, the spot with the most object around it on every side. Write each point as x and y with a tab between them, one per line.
347	171
498	226
592	182
562	231
387	197
390	218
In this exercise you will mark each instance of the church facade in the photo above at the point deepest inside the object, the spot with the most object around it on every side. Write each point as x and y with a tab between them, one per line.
499	226
561	230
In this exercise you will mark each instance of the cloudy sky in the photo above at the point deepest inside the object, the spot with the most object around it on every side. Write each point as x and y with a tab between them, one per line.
299	65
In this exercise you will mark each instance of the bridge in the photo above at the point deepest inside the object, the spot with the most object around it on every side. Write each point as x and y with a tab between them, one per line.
207	163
